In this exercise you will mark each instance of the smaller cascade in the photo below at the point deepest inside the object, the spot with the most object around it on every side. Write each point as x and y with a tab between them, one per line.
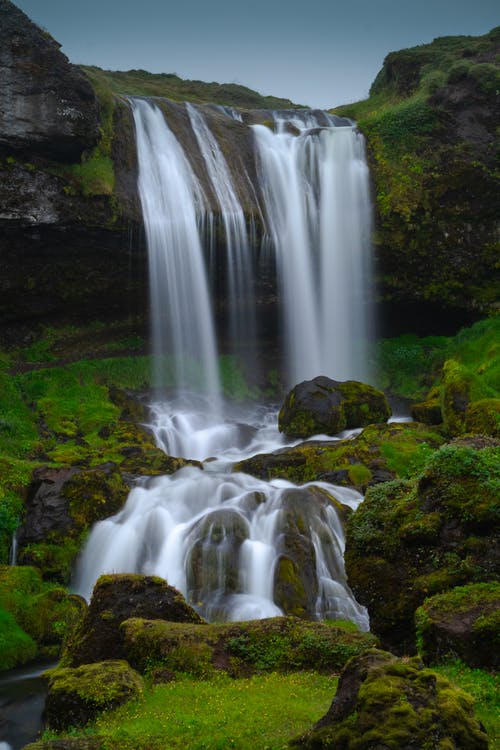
173	205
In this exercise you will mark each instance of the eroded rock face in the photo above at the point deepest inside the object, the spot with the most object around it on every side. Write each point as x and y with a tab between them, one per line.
47	105
387	703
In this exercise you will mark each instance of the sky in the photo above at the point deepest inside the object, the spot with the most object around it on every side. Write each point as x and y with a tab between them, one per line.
320	53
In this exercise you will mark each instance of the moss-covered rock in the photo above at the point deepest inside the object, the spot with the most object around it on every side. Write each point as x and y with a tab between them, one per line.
430	124
117	598
61	506
395	704
242	648
326	406
428	411
16	646
411	539
45	612
379	453
77	696
483	417
463	623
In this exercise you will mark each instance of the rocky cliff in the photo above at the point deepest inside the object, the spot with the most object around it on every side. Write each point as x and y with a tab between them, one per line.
72	246
431	123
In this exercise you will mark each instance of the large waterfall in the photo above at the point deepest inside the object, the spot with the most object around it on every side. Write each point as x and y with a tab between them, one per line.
239	547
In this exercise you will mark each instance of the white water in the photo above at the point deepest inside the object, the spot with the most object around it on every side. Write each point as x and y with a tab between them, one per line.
218	536
239	272
173	204
316	194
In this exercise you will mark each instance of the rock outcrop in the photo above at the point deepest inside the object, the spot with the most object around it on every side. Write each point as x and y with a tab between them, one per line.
117	598
395	704
48	106
410	540
323	405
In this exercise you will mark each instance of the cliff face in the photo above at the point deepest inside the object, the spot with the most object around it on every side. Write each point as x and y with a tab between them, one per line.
71	238
48	106
431	127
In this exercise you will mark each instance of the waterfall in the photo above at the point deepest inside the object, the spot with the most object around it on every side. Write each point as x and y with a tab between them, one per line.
227	540
239	272
172	203
316	194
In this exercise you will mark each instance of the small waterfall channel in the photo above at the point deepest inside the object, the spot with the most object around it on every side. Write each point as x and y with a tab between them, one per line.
239	547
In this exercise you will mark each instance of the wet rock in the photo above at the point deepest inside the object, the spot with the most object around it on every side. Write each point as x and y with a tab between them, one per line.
47	105
463	623
394	704
61	506
77	696
117	598
325	406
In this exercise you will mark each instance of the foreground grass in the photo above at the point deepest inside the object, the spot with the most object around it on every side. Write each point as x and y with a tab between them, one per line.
262	712
484	688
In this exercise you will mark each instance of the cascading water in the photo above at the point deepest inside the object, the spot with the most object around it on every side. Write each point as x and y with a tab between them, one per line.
231	542
241	312
316	196
172	202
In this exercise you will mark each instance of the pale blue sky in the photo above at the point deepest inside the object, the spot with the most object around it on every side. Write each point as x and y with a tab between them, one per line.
321	52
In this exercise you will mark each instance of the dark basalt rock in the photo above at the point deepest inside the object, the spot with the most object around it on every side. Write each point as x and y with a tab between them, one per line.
117	598
47	105
385	703
61	506
327	406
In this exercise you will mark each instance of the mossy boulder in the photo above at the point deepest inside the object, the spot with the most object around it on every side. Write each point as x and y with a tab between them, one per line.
483	417
395	704
61	506
463	623
117	598
325	406
77	696
412	539
428	411
241	648
379	453
45	613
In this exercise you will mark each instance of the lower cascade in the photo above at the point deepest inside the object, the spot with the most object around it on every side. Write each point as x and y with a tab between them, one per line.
236	546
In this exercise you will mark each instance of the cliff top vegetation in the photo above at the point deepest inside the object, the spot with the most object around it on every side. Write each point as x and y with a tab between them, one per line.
171	86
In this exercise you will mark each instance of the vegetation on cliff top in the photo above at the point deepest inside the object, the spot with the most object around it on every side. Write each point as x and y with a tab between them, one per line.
171	86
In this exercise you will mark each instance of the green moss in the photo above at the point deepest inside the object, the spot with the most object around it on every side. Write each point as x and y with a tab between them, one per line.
76	696
281	644
16	646
42	610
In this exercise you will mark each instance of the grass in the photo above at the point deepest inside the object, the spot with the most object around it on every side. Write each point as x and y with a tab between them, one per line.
484	689
410	365
171	86
262	712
